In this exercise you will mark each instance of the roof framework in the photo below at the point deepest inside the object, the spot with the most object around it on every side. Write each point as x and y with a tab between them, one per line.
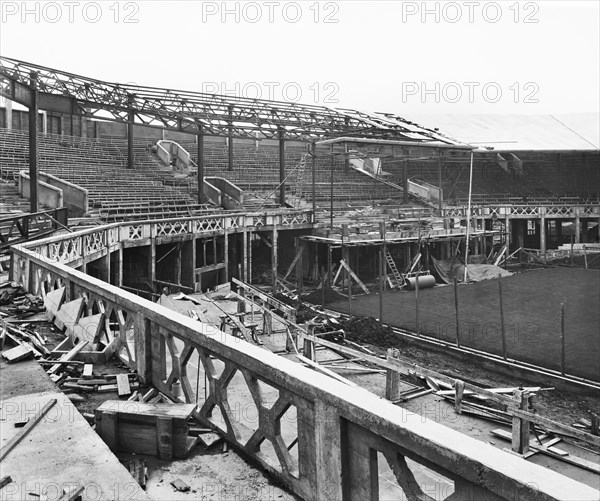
199	113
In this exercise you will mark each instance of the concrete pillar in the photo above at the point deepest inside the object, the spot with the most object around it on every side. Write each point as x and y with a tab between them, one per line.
584	231
577	226
8	114
45	122
152	262
507	229
326	426
543	230
119	271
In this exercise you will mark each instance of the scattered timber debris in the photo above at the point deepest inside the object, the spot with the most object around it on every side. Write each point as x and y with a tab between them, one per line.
16	303
180	485
16	439
5	480
139	471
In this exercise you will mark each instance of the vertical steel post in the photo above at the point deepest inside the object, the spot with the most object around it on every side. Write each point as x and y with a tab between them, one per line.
281	169
33	140
200	165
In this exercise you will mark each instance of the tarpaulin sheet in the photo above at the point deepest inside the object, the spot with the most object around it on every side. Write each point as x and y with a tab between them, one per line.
448	272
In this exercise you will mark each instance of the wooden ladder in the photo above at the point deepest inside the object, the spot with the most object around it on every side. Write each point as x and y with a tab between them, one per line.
392	265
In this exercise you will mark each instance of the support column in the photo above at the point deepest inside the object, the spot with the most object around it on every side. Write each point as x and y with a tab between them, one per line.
314	173
230	141
8	114
577	226
178	263
33	152
281	169
507	230
331	191
274	257
200	139
245	256
441	197
45	122
584	231
152	263
405	179
120	266
543	230
226	255
130	134
250	235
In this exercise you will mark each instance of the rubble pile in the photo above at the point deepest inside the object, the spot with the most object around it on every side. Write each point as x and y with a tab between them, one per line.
369	330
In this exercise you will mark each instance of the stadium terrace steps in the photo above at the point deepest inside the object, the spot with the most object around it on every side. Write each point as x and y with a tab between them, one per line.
99	166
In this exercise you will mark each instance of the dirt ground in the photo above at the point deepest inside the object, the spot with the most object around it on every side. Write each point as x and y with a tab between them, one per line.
531	304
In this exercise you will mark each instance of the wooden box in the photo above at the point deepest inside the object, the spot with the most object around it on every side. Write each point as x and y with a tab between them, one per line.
153	429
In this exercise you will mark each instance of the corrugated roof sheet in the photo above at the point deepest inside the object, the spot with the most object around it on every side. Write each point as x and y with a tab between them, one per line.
576	131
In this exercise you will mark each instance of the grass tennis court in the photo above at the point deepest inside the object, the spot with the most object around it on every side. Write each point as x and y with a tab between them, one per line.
532	318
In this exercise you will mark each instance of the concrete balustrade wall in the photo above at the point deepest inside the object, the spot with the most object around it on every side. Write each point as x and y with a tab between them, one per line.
345	435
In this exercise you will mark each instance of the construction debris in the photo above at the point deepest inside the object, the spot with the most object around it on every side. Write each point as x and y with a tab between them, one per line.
139	471
180	485
15	440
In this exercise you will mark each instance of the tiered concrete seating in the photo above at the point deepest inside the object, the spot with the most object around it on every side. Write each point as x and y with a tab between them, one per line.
256	171
99	165
547	179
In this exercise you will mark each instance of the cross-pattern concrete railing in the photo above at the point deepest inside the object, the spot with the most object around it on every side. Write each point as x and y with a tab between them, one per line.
323	439
529	211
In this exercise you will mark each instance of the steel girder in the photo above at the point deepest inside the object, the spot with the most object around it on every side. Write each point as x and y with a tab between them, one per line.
194	112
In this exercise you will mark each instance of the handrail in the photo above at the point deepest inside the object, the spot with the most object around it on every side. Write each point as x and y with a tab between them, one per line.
340	429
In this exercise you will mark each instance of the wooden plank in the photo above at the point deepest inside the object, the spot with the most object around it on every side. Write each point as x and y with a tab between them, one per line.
324	370
88	370
175	411
18	353
404	367
353	275
68	356
209	439
294	261
73	494
14	441
2	337
180	485
5	480
553	452
123	387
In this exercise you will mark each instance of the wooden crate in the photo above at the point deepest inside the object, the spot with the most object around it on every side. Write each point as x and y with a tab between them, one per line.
153	429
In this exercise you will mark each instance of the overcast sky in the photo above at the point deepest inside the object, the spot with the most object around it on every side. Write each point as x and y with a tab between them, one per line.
393	56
